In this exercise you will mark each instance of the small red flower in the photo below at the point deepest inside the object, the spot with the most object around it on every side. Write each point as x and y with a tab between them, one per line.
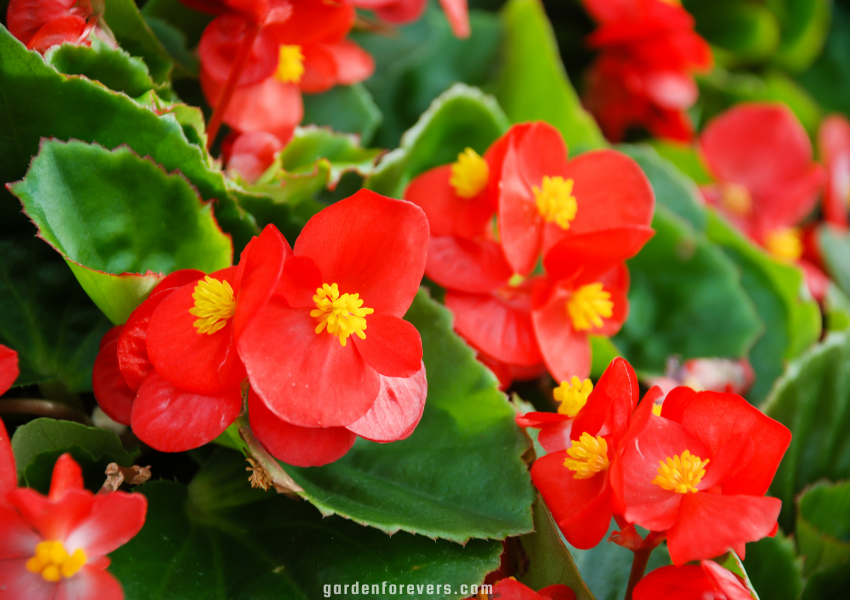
251	154
699	472
8	368
511	589
41	24
56	546
407	11
834	146
692	582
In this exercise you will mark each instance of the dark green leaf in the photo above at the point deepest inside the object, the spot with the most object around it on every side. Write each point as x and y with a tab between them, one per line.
459	476
804	25
191	22
836	309
743	32
835	248
112	67
774	568
347	109
685	158
110	213
135	36
217	538
823	525
733	563
829	79
533	85
812	399
828	584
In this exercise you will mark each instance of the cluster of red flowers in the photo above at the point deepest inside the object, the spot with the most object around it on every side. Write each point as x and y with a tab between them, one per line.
693	468
41	24
643	76
313	335
493	219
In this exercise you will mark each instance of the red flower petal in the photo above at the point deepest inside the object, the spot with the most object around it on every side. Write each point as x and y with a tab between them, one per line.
397	410
397	11
834	145
299	282
511	589
306	378
687	582
392	346
556	437
565	351
725	581
115	519
466	265
449	214
586	256
67	475
17	582
342	63
220	44
294	445
8	474
110	389
198	363
173	420
8	368
458	15
711	524
252	153
90	582
68	29
370	245
539	420
17	539
315	22
53	520
612	401
25	17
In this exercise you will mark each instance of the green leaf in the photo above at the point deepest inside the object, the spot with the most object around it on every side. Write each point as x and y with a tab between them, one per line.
686	300
136	37
46	317
39	102
217	538
38	444
189	21
344	108
823	525
685	158
112	67
836	309
462	117
791	323
775	570
422	60
549	561
812	399
835	248
744	32
459	476
112	213
533	85
804	25
603	351
829	80
733	563
828	584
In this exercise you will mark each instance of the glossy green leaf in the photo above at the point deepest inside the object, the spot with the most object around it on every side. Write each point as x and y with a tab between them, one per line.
685	158
112	67
804	25
603	351
549	561
463	117
39	102
823	525
812	399
686	300
743	32
828	80
774	569
111	212
135	36
218	538
459	476
533	85
46	317
420	61
835	248
344	108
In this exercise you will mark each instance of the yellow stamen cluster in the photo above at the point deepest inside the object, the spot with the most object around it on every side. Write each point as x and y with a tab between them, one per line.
342	315
572	395
588	305
736	199
469	174
681	474
656	410
555	201
785	244
588	456
53	562
290	65
214	304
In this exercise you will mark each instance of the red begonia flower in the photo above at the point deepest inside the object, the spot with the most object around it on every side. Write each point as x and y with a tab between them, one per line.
8	368
250	154
834	147
56	546
406	11
546	200
316	352
511	589
692	582
766	179
574	481
699	471
41	24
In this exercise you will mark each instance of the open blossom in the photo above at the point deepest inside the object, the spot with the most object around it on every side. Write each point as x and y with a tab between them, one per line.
699	472
692	582
643	76
834	147
56	546
41	24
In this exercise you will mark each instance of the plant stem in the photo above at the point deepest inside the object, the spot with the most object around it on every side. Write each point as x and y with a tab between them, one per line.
43	408
283	483
230	86
638	569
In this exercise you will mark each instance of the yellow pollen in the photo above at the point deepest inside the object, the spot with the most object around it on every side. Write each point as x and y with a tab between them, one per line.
53	562
785	244
342	315
555	201
572	395
681	474
588	306
736	199
290	66
469	174
588	456
214	304
656	410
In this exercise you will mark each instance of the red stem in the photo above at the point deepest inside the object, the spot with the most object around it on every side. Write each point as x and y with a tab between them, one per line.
230	86
638	569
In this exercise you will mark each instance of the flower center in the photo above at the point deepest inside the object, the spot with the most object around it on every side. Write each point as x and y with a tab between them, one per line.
588	306
290	65
681	474
342	315
588	456
736	199
572	395
784	244
214	304
555	201
469	174
53	562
